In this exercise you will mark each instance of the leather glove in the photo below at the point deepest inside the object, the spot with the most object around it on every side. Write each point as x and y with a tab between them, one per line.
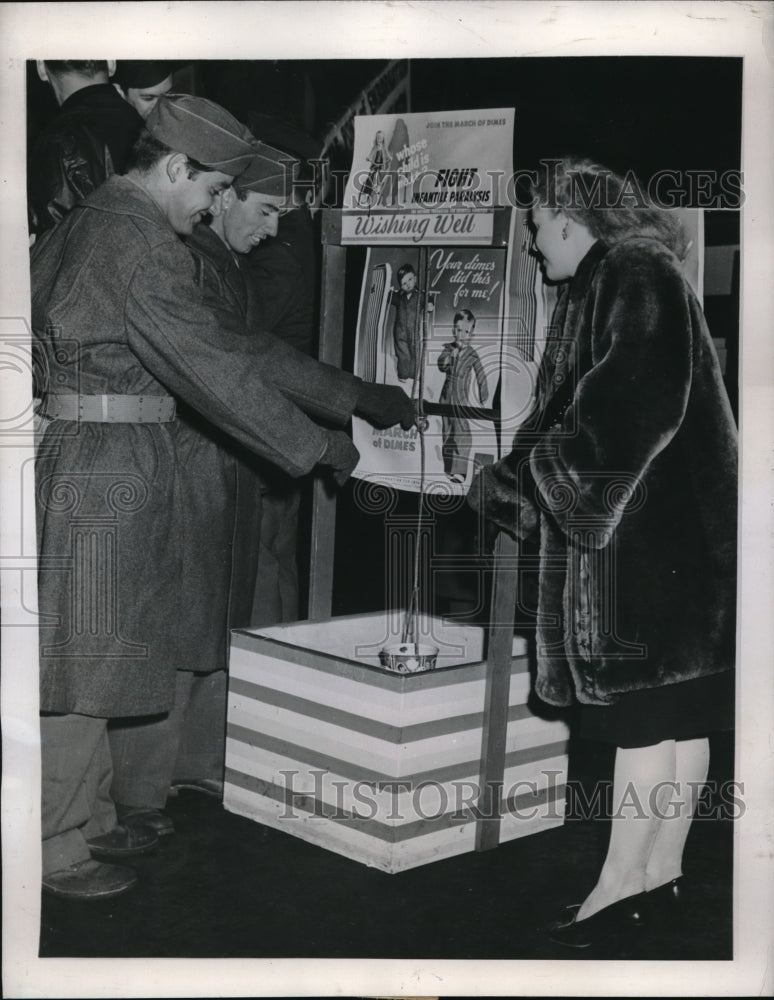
385	405
341	456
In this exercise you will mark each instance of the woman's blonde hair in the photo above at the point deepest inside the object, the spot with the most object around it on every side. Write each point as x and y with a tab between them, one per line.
611	207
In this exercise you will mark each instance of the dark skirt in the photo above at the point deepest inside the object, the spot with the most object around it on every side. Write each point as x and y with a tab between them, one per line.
685	711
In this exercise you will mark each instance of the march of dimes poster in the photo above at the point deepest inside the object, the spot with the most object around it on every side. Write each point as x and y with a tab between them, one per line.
435	300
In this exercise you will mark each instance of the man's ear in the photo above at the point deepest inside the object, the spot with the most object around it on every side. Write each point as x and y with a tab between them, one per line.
111	67
119	90
223	200
41	67
177	166
226	199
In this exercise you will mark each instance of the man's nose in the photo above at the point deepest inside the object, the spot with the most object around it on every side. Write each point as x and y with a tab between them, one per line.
272	225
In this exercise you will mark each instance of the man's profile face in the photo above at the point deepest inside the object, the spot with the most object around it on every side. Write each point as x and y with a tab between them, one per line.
246	223
191	197
143	99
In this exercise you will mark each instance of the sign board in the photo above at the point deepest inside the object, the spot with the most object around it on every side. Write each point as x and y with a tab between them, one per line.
428	178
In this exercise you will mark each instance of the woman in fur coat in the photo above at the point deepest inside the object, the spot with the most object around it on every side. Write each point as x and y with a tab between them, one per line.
626	472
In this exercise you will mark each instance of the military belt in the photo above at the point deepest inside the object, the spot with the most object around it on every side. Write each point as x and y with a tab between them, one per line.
109	409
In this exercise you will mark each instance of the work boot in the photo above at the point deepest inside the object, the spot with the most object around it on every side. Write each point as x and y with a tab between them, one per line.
89	880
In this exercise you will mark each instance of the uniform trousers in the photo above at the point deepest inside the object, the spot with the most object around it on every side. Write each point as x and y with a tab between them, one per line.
76	773
187	742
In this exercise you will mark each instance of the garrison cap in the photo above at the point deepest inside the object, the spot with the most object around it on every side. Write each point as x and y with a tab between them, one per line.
202	130
270	172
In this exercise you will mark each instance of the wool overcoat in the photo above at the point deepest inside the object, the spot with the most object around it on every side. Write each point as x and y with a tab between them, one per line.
628	473
117	308
320	390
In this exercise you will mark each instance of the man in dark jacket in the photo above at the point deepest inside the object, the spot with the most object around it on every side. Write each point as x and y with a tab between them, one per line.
141	82
87	141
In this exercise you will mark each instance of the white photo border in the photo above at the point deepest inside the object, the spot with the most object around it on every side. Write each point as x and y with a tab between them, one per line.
339	30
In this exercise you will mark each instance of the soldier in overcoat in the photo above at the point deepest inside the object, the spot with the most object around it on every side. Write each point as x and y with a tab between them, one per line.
123	330
222	500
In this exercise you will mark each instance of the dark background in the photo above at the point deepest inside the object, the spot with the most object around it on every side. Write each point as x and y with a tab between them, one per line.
641	113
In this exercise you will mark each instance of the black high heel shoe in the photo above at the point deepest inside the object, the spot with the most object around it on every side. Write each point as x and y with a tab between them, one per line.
668	902
602	927
671	895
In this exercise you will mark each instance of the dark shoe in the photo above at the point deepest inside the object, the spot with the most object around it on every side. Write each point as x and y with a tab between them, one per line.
671	895
123	842
141	817
207	786
89	880
668	902
603	927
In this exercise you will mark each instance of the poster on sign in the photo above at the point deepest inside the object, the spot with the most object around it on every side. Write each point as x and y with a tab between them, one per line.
428	178
431	320
438	290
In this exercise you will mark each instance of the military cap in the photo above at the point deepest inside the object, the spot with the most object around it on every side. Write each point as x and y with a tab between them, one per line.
270	171
202	130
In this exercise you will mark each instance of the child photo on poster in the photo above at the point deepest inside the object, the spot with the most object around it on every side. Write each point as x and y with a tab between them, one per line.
431	320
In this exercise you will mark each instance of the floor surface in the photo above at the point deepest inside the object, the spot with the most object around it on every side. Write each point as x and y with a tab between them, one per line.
224	886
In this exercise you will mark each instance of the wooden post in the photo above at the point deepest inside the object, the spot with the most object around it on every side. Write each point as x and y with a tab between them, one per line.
496	696
323	531
503	603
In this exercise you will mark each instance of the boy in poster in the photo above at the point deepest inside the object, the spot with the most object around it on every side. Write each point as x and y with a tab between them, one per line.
459	361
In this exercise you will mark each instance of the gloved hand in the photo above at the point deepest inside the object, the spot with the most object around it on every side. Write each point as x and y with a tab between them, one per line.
341	456
495	494
385	405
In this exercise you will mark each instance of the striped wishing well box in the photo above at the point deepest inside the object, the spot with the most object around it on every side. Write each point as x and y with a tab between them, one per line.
382	767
